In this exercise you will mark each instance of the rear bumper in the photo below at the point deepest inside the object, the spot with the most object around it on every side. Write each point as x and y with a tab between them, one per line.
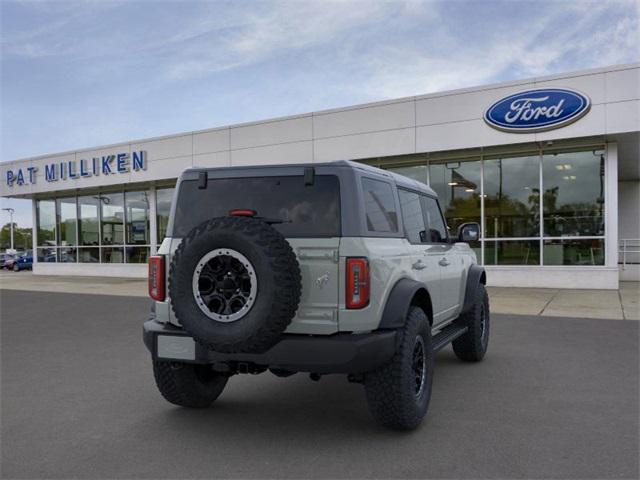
339	353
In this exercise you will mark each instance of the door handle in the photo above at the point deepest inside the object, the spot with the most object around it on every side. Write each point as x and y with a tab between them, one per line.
443	262
418	265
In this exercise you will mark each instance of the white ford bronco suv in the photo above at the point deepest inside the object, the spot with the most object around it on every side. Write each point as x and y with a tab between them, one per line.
321	268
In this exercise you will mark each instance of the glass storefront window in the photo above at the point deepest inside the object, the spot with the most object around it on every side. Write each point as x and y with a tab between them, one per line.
137	254
512	252
88	226
112	255
417	172
163	209
67	221
458	187
46	255
46	218
67	255
137	218
574	252
512	197
573	198
89	255
112	218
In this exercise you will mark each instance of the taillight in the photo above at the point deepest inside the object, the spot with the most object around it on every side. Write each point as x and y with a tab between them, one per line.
358	287
156	277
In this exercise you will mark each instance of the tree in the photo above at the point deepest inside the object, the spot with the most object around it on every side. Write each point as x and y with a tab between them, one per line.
21	237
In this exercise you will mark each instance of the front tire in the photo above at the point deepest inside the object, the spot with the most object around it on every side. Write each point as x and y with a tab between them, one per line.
472	346
16	268
398	394
188	385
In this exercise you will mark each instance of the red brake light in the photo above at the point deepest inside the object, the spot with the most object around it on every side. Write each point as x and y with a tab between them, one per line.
358	286
242	212
156	277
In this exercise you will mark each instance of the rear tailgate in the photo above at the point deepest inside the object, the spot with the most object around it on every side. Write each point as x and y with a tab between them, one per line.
318	310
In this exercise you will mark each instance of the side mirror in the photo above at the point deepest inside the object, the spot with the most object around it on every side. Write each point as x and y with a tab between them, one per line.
469	232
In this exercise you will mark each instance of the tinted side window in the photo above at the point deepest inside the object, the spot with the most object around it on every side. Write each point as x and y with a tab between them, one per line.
380	206
433	218
412	217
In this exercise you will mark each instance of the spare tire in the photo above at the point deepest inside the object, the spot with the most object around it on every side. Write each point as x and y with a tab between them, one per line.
235	284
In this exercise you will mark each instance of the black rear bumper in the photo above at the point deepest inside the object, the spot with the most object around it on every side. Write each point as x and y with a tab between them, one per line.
338	353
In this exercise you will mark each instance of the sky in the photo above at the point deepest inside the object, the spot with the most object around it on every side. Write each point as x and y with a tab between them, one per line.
87	73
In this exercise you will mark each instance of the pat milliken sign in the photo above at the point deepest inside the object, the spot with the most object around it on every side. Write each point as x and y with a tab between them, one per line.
537	110
105	165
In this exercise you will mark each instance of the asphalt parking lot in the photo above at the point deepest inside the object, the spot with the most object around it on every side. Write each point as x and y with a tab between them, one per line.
555	398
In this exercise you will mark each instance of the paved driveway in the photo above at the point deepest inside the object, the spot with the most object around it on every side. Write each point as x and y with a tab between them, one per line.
554	398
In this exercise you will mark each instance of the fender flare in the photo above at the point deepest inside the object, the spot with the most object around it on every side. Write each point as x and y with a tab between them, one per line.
405	292
475	277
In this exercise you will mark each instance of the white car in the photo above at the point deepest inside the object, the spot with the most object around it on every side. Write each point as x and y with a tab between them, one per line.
322	268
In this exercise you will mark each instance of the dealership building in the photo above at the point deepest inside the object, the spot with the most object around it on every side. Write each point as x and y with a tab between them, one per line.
549	166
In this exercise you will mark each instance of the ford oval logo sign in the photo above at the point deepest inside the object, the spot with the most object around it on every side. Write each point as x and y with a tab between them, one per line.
537	110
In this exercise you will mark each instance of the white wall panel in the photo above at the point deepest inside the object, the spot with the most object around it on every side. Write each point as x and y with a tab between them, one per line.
360	120
211	141
179	146
462	107
379	144
271	133
216	159
300	152
623	85
92	269
163	169
592	85
623	116
5	189
593	123
553	277
469	134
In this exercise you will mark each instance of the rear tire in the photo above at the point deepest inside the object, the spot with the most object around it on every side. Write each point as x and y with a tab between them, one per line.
188	385
398	394
16	268
472	346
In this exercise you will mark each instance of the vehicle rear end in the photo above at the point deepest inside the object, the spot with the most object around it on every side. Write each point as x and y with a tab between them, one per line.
301	203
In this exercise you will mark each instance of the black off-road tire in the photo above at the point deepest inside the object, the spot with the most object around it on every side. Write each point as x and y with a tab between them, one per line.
188	385
472	346
278	279
391	390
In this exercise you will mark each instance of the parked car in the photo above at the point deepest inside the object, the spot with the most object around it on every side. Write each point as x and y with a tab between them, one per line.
7	262
23	262
325	268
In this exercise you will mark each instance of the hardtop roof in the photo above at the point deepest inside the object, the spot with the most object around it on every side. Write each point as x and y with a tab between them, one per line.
400	180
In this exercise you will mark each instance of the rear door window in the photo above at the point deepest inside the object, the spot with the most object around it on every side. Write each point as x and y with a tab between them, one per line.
304	210
380	206
412	217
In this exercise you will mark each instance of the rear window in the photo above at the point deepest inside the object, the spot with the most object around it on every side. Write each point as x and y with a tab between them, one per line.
306	210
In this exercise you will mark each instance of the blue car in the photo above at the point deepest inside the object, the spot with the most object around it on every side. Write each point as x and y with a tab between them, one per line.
23	262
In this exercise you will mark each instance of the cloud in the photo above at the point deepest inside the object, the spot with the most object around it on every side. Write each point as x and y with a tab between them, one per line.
287	26
526	47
